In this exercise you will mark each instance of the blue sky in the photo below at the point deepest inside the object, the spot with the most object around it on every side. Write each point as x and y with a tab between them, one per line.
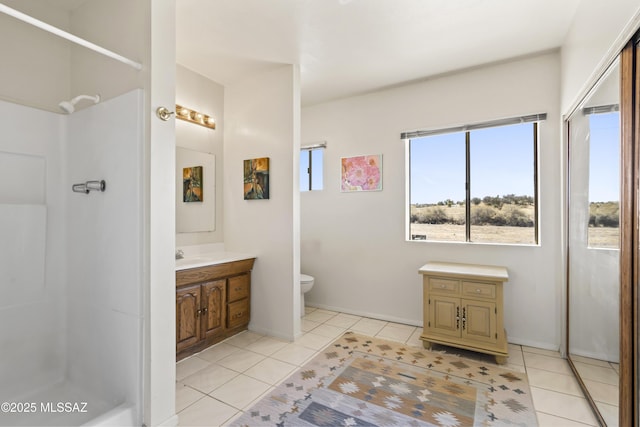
438	162
317	167
604	159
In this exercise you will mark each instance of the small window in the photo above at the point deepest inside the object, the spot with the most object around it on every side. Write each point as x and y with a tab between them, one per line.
475	183
311	161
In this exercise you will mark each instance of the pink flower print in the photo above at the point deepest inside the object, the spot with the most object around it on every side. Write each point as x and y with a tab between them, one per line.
360	173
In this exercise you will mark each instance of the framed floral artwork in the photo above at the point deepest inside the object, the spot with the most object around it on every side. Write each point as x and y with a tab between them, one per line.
361	173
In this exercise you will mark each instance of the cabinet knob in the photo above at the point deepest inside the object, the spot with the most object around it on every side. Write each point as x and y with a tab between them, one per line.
442	286
237	289
478	290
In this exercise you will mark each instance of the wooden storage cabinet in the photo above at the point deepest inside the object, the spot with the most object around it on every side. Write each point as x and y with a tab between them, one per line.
212	303
463	307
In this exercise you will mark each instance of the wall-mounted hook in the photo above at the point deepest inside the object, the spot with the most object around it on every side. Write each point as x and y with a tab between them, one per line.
164	114
89	186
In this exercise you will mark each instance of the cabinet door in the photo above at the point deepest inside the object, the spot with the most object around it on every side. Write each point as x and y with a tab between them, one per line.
479	321
444	315
212	307
187	316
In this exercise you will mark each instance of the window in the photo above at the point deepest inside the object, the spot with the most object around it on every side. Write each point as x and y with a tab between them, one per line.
311	159
475	183
604	177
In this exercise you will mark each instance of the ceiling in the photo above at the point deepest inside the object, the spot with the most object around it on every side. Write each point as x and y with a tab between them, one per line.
348	47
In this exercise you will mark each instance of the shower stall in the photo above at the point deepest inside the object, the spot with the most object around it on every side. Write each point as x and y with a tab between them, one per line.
71	263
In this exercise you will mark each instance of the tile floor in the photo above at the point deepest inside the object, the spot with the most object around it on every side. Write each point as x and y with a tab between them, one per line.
215	385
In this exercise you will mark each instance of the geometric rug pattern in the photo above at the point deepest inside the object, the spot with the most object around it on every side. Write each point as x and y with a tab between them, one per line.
364	381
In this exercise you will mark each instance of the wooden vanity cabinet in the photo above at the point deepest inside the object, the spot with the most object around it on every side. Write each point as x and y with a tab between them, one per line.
212	303
463	307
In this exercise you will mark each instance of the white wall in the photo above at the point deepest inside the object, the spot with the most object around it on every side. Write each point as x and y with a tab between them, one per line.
32	275
261	115
354	243
120	26
598	33
199	93
36	66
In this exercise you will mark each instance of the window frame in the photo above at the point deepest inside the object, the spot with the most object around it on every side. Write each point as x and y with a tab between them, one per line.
535	119
311	149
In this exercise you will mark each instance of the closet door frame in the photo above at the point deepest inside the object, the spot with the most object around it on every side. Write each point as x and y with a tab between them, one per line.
629	233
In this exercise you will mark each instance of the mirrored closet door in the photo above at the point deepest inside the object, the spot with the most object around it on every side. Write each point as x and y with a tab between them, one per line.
594	243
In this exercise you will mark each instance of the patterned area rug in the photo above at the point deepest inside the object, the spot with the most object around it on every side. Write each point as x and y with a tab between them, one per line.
364	381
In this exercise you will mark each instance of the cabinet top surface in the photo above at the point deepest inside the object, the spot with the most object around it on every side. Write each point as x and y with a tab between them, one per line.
213	258
491	272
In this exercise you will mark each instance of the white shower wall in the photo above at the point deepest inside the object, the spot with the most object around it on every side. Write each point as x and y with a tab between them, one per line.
32	288
71	264
104	249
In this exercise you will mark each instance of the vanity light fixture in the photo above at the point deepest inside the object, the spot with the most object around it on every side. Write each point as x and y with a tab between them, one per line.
192	116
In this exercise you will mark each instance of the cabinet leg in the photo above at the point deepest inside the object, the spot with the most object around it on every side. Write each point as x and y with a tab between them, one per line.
501	360
426	344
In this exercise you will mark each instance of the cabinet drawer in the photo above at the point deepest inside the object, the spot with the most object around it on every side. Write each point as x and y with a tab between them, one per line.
479	290
443	286
238	287
238	313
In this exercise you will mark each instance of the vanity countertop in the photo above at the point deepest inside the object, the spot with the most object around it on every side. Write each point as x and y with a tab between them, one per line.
213	258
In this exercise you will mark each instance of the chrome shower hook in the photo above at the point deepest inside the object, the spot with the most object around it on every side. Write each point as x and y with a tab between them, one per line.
89	186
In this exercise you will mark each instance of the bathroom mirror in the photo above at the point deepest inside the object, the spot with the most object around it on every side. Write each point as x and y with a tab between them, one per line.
195	191
593	244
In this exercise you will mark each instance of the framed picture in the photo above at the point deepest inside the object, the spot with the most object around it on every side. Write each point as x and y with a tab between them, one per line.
192	184
361	173
256	178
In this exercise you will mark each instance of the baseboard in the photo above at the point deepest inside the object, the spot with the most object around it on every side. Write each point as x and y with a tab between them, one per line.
377	316
529	343
271	333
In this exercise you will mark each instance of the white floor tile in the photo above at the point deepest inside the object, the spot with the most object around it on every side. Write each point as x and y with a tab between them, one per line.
243	339
294	354
189	366
240	391
206	412
563	405
590	361
542	351
308	325
327	330
271	371
209	378
217	352
396	332
367	326
186	396
414	340
266	345
597	373
547	363
609	413
314	341
546	420
319	316
553	381
241	360
601	392
343	320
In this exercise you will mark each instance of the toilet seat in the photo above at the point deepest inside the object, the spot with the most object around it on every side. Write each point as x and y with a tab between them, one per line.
304	278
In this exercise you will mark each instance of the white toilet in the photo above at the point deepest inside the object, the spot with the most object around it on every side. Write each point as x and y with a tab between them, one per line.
306	283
